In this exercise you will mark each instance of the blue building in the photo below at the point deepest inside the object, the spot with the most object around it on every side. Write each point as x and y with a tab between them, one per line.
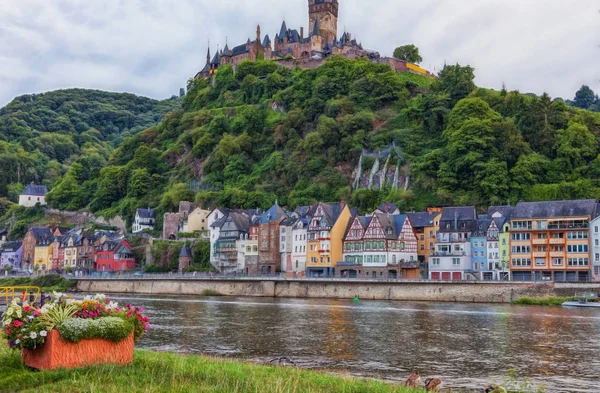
479	250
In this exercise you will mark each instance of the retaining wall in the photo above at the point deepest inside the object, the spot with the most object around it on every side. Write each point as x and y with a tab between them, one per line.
480	292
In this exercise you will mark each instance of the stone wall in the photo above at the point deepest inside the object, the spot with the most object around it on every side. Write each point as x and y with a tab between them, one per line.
481	292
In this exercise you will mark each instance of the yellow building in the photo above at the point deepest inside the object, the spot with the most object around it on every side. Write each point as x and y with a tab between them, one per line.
425	225
43	256
197	221
325	239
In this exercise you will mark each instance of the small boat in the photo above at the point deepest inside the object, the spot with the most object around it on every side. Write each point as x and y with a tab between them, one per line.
587	300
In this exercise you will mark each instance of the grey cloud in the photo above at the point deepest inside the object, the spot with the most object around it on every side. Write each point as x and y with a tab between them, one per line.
151	47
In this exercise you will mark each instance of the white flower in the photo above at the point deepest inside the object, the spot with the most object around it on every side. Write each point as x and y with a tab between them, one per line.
17	341
112	305
88	297
7	322
31	318
10	311
33	335
19	314
69	301
100	297
43	333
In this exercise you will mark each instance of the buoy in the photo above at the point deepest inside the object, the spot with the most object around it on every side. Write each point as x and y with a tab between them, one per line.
356	299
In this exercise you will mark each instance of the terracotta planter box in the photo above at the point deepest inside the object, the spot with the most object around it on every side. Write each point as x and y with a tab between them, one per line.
58	353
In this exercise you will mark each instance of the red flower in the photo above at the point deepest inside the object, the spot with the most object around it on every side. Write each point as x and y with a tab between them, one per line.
17	323
27	308
37	313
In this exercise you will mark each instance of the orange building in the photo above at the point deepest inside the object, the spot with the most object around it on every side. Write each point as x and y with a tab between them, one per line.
425	225
550	240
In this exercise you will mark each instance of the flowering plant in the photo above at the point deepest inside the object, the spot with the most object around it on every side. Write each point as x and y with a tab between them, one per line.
26	326
23	326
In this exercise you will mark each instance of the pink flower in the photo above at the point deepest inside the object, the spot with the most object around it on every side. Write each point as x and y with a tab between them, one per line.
27	308
37	313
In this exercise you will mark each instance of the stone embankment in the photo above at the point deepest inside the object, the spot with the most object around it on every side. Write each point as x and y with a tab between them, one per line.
480	292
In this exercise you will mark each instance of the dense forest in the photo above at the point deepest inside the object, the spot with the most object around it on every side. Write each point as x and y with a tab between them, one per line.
267	133
43	135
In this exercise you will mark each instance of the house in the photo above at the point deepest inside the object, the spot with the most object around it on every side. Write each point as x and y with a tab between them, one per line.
234	226
299	234
58	252
595	245
144	219
380	246
498	241
173	223
69	245
251	253
286	243
425	226
215	221
86	252
12	253
550	240
37	249
197	221
326	231
452	253
480	269
113	256
269	258
32	195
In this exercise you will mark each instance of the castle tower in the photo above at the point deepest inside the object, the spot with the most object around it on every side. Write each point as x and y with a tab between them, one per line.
323	18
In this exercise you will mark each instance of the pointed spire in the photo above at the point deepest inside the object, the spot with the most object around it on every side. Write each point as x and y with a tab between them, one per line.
315	30
283	30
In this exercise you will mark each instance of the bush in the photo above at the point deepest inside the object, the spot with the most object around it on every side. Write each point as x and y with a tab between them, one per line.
108	328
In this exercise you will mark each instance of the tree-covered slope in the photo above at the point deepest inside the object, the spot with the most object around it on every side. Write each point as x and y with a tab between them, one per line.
41	135
265	133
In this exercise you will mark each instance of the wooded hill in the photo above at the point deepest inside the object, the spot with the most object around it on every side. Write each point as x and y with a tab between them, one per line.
42	135
230	146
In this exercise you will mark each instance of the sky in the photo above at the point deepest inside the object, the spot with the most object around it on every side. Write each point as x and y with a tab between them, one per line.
152	47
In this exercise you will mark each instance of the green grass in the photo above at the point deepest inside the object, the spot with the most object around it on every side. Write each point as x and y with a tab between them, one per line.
163	372
542	301
47	283
423	81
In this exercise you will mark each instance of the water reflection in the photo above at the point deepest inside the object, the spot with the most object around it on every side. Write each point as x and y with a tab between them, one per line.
465	344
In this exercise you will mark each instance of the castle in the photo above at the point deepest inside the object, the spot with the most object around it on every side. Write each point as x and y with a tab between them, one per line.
320	42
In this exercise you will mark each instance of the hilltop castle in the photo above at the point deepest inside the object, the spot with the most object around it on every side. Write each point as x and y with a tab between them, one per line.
320	42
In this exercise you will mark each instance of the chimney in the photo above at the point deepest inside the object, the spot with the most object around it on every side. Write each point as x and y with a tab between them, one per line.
455	220
302	33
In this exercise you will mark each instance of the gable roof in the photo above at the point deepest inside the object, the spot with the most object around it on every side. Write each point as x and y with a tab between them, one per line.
480	227
35	190
462	213
422	219
399	220
12	246
42	235
145	213
332	211
505	211
388	208
185	252
387	224
576	208
275	213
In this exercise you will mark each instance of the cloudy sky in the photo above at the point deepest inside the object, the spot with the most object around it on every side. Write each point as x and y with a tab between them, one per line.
151	47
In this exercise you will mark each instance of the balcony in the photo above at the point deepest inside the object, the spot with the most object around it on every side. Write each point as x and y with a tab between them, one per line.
556	240
557	254
448	254
567	225
542	242
324	238
540	254
324	251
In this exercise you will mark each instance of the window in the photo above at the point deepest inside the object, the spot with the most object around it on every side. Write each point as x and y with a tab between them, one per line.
557	261
596	229
521	225
455	261
520	236
577	248
577	235
540	261
422	247
578	262
521	249
521	262
542	236
435	261
597	257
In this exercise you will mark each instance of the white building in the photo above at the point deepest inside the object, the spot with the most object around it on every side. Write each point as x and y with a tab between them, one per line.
286	243
216	218
451	257
144	219
300	238
32	195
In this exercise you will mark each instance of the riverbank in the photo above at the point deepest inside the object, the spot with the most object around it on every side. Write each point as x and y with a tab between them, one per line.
47	283
556	301
166	372
428	291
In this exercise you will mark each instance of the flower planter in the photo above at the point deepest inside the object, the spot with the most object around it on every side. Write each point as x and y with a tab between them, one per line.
58	353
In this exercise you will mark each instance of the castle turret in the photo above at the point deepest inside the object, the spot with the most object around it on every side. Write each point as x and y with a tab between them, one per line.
323	14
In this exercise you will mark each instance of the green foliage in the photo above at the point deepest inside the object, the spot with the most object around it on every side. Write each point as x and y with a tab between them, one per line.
408	53
546	301
113	329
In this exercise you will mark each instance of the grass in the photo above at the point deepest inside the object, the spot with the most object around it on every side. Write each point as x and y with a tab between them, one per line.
542	301
48	283
163	372
210	292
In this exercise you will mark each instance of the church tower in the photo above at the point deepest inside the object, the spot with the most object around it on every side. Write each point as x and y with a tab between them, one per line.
323	18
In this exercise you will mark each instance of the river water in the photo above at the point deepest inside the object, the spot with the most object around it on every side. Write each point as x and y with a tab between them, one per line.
467	345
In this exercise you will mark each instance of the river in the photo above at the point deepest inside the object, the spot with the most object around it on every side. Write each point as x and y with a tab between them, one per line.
467	345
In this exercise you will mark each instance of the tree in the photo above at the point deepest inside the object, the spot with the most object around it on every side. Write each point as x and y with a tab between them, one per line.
458	81
408	53
585	97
